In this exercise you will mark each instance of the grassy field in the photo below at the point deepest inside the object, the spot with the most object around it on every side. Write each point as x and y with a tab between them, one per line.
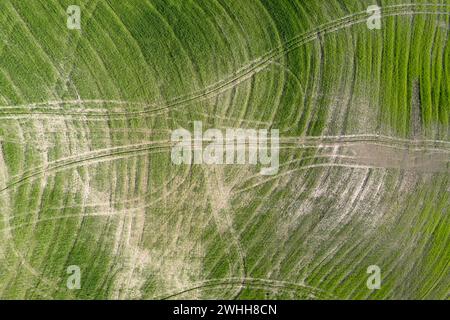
86	176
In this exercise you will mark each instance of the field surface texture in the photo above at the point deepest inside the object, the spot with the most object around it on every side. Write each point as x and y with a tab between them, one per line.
86	175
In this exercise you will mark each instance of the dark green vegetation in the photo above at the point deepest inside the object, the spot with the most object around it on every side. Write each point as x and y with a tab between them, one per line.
86	177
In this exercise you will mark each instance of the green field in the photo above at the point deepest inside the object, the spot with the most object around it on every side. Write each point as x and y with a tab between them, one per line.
86	176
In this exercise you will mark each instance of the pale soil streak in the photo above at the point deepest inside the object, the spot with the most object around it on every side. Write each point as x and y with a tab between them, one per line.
247	281
4	201
42	146
106	213
371	155
95	201
386	157
8	238
364	197
219	199
341	140
324	229
162	264
304	206
323	165
417	161
349	196
362	157
126	244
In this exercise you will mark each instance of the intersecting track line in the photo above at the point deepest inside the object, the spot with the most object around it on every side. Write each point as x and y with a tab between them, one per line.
248	281
121	152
